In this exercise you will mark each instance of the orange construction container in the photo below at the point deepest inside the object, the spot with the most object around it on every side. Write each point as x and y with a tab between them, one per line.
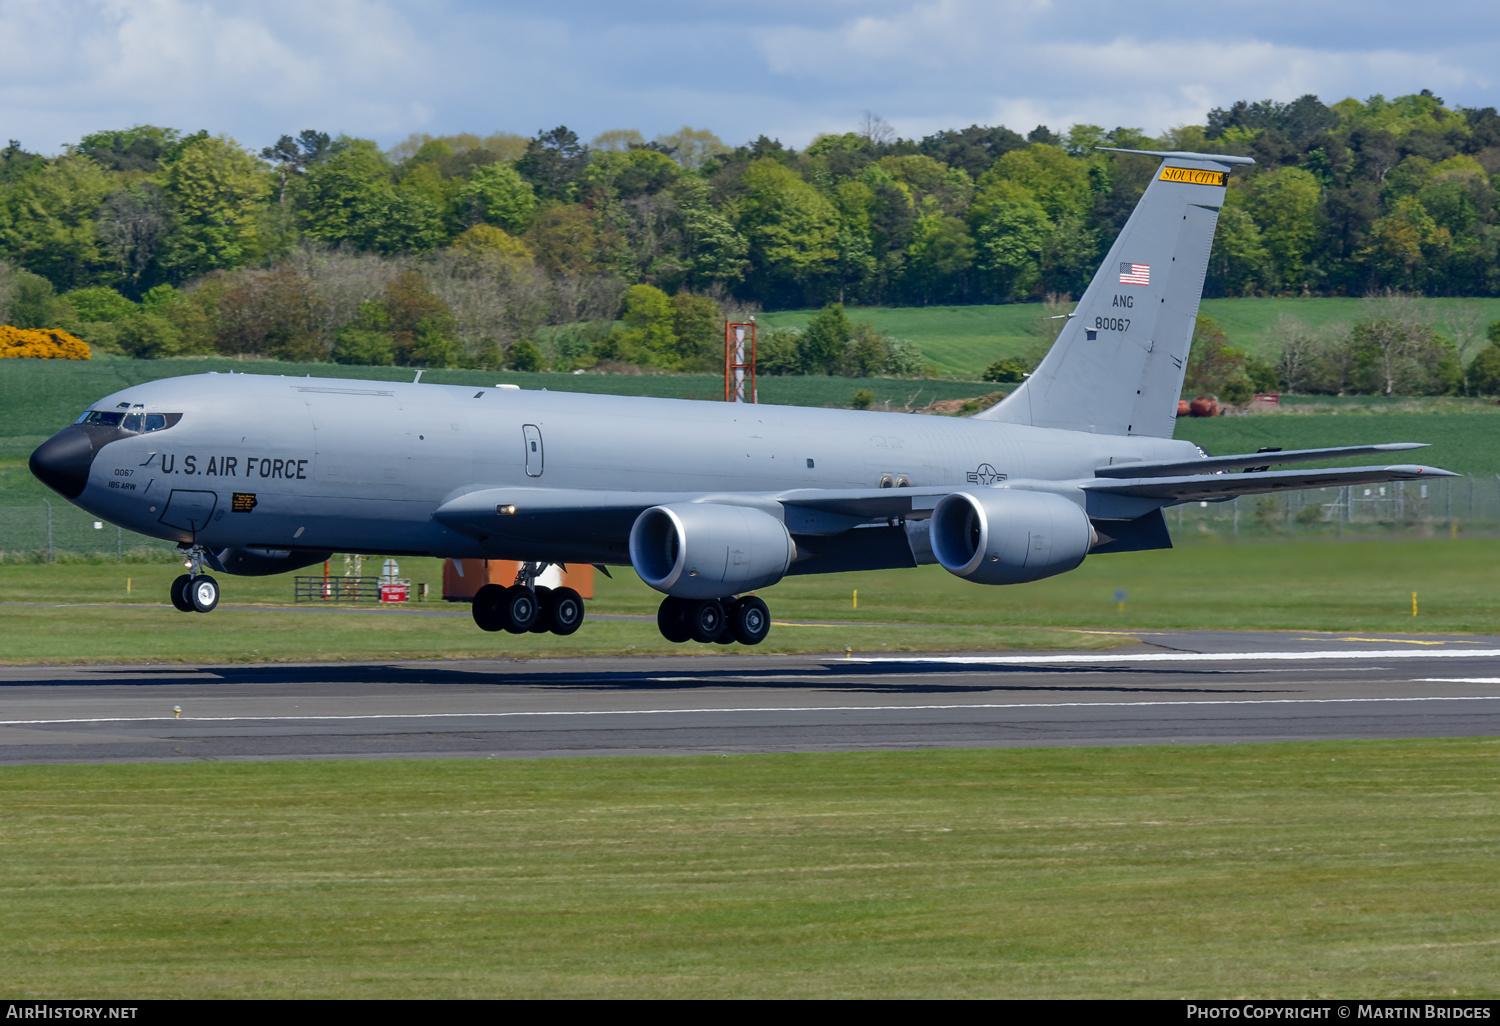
463	577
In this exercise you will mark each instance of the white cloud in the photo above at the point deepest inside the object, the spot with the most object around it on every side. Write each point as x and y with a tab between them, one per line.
384	68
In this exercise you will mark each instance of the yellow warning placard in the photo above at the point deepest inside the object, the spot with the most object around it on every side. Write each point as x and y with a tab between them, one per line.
1193	176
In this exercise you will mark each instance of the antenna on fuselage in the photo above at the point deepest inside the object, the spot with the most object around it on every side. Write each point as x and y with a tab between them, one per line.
417	378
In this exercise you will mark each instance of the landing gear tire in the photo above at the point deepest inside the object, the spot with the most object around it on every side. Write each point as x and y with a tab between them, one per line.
180	600
672	620
706	620
518	608
203	593
566	611
749	621
487	608
543	622
726	636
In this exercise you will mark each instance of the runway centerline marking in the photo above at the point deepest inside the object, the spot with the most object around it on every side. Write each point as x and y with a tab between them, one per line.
1185	657
1397	641
753	709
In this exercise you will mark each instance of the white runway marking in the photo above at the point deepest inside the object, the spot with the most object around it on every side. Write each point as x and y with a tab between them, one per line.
1459	680
1185	657
753	709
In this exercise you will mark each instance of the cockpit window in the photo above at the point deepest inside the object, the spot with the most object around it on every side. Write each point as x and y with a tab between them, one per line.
133	422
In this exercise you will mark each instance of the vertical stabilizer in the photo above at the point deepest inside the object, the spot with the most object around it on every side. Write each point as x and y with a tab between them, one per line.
1117	367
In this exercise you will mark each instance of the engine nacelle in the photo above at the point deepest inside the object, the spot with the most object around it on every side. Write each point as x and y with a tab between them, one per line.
1009	536
704	550
249	562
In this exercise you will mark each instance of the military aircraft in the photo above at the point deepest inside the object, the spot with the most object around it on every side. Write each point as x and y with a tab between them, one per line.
707	501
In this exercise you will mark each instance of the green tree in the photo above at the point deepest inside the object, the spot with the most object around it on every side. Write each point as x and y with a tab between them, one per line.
692	147
399	221
553	163
1214	366
1058	183
99	303
649	321
497	194
779	351
825	340
525	356
1284	204
698	324
792	229
33	301
1484	371
366	339
1239	263
420	324
216	188
149	336
1010	231
940	253
49	222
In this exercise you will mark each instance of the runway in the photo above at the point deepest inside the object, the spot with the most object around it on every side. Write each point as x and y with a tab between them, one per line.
1169	688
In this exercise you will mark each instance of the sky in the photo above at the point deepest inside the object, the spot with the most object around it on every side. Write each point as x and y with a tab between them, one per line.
788	69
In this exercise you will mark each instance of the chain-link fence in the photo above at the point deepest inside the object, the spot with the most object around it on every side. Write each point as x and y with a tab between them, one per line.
56	531
1452	504
53	531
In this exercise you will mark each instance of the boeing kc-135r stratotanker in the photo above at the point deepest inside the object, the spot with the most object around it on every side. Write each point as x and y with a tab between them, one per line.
254	474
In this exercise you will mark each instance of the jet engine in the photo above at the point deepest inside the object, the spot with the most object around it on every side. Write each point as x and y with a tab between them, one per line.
1008	536
248	562
705	550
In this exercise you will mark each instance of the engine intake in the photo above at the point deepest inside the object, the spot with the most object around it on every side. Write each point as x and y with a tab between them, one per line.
703	550
1008	536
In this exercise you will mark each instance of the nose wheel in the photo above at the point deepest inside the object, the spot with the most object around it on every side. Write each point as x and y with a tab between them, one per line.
194	591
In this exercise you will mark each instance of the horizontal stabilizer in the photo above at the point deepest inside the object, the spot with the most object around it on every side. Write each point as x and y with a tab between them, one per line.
1215	464
1192	487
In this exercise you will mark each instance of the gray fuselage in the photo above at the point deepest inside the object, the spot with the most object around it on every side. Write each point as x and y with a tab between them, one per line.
361	466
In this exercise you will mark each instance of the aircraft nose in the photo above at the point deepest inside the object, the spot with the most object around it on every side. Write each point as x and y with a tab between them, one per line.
62	462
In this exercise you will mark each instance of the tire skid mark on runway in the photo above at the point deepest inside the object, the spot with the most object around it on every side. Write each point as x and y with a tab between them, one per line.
750	709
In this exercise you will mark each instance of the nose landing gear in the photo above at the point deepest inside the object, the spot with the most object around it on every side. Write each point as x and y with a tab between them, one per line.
194	591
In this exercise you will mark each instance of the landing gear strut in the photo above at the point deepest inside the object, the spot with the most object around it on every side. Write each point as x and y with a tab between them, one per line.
524	608
714	621
194	591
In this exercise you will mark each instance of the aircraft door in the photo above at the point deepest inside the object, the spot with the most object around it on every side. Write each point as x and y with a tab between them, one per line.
189	509
532	436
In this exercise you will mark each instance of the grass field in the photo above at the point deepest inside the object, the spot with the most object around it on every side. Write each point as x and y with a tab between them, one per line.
1335	869
961	341
1464	435
1206	583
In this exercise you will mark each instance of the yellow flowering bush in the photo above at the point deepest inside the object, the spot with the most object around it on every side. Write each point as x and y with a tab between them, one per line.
41	344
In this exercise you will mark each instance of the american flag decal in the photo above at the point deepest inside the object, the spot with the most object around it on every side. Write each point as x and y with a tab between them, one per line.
1135	274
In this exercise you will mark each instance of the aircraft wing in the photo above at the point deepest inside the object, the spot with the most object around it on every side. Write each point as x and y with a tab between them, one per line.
1189	487
835	528
1265	458
524	511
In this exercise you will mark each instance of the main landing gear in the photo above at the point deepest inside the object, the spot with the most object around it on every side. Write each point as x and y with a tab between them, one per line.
714	621
524	608
195	591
